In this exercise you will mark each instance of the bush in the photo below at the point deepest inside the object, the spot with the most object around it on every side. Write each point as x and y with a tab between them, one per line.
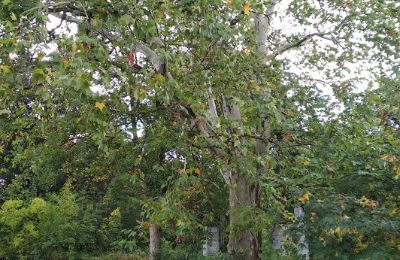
39	228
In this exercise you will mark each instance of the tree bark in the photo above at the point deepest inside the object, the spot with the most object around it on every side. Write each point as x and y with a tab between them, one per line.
243	199
155	241
303	251
211	246
278	237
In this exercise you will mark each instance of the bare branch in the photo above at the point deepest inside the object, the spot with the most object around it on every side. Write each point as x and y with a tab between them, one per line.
322	35
52	31
295	44
50	6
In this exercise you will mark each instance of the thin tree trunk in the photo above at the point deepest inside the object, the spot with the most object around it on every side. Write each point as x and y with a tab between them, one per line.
278	237
211	246
303	251
155	241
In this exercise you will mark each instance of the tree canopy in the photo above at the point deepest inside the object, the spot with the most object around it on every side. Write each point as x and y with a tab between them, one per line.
128	126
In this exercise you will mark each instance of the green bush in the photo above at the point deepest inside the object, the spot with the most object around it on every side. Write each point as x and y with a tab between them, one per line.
39	228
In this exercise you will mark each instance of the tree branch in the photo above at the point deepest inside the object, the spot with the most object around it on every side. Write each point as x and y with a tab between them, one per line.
295	44
298	43
211	103
57	5
158	63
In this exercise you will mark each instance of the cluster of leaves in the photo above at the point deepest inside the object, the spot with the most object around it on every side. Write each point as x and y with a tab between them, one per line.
347	179
95	146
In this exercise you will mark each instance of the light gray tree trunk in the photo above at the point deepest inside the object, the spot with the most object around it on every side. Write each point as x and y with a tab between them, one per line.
211	246
155	241
279	237
243	193
302	244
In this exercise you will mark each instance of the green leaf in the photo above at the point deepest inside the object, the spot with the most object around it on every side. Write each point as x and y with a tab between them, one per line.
6	2
6	69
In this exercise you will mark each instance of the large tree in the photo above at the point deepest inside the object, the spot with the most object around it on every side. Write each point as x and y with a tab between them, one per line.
228	77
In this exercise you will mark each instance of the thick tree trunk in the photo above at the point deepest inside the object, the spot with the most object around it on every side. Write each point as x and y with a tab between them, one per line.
155	241
243	198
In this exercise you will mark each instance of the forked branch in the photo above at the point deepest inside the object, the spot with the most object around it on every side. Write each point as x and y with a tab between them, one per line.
295	44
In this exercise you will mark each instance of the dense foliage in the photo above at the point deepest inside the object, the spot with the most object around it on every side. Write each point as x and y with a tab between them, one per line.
119	116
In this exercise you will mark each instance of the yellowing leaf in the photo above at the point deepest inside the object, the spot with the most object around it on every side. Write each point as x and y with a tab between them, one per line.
306	197
287	137
116	213
341	203
159	78
66	61
138	160
98	179
197	171
74	48
314	216
6	69
100	105
6	2
146	224
306	162
142	94
389	158
396	172
393	212
228	3
93	22
13	17
246	8
364	201
40	56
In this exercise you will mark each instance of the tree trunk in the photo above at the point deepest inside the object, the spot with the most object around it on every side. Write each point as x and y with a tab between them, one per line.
243	198
211	246
303	250
155	241
278	237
